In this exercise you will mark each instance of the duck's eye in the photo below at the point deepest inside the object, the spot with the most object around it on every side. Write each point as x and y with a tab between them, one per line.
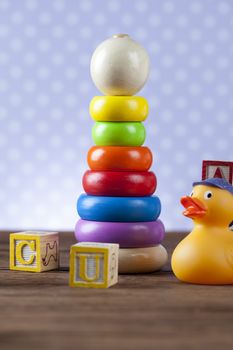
231	226
191	194
208	194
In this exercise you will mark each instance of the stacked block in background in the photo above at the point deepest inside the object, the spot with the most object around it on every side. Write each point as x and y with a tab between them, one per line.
218	169
119	206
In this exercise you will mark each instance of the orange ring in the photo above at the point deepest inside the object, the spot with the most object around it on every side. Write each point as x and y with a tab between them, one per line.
117	158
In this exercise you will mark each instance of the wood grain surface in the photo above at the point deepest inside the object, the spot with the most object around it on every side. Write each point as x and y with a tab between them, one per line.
154	311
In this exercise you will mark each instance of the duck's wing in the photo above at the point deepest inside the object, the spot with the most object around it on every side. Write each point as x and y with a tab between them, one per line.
229	255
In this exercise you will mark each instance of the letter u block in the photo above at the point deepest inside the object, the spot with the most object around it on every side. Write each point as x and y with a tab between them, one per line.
34	251
93	265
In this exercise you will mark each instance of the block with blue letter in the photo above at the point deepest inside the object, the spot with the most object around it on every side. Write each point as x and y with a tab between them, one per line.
34	251
93	265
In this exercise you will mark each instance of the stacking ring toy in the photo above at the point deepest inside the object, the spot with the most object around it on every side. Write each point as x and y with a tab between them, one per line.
119	108
142	260
119	209
118	134
126	234
119	158
119	183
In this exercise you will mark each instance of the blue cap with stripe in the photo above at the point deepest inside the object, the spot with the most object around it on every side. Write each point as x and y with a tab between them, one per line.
216	182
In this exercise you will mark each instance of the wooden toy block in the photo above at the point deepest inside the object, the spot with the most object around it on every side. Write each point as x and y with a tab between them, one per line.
219	169
34	251
93	265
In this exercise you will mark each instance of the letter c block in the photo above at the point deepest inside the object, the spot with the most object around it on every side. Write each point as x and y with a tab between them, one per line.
34	251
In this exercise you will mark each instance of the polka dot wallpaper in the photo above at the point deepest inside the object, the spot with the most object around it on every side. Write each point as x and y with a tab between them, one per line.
45	90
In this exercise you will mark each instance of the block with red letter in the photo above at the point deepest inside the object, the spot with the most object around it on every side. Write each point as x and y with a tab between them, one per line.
34	251
219	169
93	265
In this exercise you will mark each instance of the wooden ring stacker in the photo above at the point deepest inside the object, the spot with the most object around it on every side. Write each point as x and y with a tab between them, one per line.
119	183
142	260
119	158
119	108
118	133
119	209
126	234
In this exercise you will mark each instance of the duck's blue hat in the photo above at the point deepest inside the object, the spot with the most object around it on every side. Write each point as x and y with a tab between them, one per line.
216	182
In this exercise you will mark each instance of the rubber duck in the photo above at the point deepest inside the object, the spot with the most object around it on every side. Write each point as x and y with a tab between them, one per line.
205	256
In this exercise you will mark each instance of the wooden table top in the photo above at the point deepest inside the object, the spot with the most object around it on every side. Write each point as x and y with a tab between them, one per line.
154	311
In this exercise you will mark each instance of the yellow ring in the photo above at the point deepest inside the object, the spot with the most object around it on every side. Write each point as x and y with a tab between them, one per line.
119	108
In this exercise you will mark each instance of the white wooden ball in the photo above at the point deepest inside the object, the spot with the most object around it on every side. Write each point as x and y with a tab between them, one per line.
119	66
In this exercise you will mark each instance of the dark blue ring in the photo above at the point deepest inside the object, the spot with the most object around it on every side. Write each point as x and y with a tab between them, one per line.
118	209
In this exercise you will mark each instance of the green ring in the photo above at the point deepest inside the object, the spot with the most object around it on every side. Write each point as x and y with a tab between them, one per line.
118	133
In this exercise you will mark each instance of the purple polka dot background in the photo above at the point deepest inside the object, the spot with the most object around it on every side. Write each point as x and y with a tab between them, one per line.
45	90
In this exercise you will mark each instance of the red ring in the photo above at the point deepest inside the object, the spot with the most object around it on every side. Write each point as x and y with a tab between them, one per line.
119	183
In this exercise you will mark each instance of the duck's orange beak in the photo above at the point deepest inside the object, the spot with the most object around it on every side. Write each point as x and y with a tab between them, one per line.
194	208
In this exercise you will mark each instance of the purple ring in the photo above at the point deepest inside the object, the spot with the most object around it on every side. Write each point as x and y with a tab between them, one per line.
127	234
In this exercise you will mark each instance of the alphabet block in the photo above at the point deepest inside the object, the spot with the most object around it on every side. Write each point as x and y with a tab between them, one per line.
216	168
34	251
93	265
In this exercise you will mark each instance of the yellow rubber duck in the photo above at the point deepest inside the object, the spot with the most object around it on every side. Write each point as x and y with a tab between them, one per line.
205	256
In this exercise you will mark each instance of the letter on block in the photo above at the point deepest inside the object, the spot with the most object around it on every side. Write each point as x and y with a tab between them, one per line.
216	168
93	265
34	251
